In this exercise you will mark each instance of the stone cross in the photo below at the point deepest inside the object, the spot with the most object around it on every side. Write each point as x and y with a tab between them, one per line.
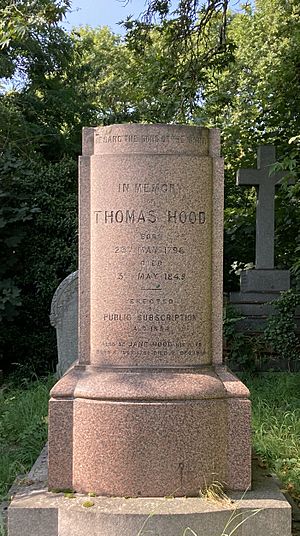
265	180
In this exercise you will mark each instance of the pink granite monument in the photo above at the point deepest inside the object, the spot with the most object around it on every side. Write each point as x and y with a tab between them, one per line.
150	410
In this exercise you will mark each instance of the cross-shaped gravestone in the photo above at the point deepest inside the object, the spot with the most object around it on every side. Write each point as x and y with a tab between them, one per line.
265	180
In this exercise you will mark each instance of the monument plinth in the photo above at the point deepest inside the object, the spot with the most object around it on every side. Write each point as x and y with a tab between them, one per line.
150	410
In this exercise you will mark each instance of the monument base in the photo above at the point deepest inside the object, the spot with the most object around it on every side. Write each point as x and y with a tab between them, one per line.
259	288
149	433
264	280
34	511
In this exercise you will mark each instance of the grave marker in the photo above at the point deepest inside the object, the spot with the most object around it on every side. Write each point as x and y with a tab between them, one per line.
264	283
265	181
64	317
150	410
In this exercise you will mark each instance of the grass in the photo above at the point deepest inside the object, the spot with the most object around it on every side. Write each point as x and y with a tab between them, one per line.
276	426
23	428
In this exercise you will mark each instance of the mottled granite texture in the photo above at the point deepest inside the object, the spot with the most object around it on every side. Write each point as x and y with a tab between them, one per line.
34	511
149	410
153	433
151	220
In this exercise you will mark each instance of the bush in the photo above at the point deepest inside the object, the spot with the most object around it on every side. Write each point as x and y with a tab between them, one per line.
242	350
40	249
280	330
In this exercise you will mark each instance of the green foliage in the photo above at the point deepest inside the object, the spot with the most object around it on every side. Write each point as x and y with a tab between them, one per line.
250	98
39	138
239	238
255	100
38	103
23	428
44	256
248	352
15	213
103	74
276	424
280	330
30	37
288	213
172	57
242	350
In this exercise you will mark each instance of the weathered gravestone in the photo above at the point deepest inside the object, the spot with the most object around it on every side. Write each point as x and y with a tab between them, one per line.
264	283
150	410
64	317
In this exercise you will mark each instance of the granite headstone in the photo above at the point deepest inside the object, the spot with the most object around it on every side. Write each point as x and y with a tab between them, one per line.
150	410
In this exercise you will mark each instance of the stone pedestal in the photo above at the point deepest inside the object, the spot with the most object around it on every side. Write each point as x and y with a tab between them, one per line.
150	410
34	511
265	281
258	289
149	434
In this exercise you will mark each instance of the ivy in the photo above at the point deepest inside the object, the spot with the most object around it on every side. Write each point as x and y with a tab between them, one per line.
280	330
241	349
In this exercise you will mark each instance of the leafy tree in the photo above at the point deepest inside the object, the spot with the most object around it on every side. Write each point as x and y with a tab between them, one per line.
34	53
34	50
255	100
31	40
38	249
176	46
14	212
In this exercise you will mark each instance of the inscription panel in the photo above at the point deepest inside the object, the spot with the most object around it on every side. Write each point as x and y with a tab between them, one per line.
143	139
151	260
